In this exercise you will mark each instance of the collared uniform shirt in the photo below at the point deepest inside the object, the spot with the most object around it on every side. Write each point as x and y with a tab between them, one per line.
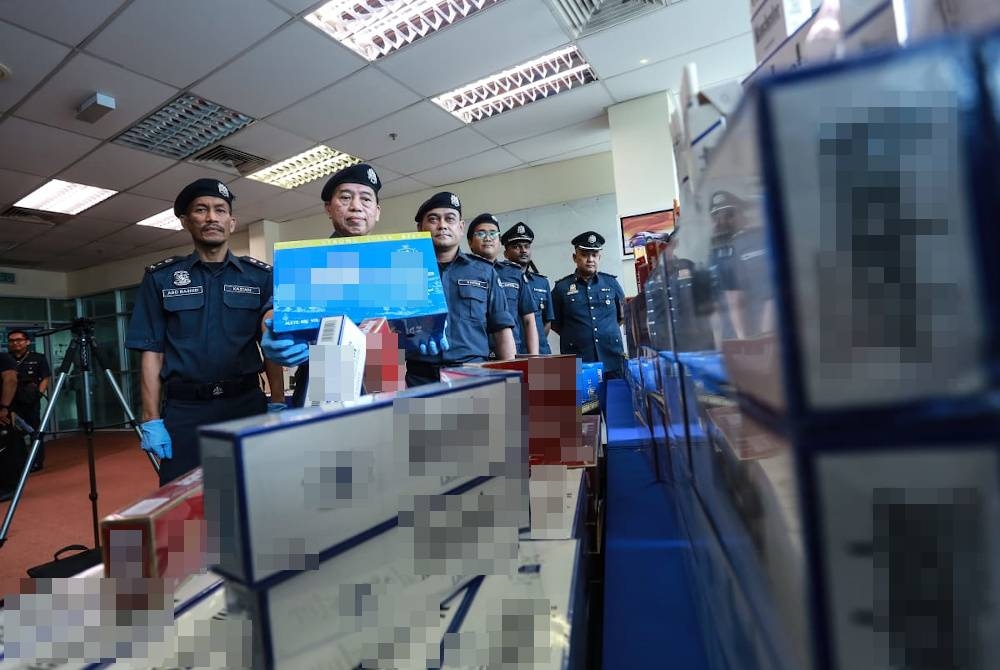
519	300
477	307
205	322
32	368
586	315
542	297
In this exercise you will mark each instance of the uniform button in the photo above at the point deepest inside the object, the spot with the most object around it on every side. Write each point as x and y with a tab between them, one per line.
593	318
595	330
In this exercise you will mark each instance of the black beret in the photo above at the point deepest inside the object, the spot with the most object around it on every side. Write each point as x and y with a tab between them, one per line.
198	188
723	200
518	233
589	240
359	173
482	218
443	199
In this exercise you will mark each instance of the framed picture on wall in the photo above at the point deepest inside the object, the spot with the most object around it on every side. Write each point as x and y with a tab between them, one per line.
652	222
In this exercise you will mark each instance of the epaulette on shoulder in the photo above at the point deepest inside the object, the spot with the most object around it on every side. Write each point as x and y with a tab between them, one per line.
569	276
608	275
253	261
162	264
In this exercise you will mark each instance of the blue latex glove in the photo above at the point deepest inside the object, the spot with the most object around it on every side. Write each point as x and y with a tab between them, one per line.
437	344
275	407
282	349
156	439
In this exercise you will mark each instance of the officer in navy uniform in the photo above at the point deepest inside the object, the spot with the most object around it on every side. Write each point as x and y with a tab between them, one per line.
589	309
483	236
197	323
33	376
350	197
477	306
517	249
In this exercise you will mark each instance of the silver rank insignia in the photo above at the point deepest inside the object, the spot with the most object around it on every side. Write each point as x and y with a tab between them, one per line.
372	177
520	230
455	201
181	277
223	191
592	239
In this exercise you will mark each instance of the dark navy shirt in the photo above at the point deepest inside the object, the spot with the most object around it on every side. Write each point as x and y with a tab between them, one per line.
477	307
519	300
32	368
542	297
204	320
587	314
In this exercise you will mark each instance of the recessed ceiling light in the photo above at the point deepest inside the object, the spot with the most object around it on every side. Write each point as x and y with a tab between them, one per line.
375	28
183	127
64	197
643	61
529	82
305	167
165	219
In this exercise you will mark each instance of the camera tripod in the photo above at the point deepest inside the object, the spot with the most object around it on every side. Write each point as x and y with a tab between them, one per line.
82	353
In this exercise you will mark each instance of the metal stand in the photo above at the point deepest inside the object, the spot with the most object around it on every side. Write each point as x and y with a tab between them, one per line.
82	352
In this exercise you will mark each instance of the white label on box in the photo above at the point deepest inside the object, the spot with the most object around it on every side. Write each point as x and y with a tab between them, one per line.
144	507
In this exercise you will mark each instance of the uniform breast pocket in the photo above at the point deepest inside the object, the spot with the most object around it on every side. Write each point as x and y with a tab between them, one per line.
513	298
184	315
473	302
242	313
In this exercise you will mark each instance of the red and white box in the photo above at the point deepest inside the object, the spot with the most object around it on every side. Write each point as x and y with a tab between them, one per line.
161	536
385	365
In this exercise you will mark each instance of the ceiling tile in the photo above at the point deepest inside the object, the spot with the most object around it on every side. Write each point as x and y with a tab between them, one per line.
459	144
336	110
176	42
603	147
296	6
87	229
68	21
620	48
509	33
106	250
16	231
266	141
401	186
412	125
286	67
488	162
115	167
178	238
29	58
128	208
49	244
278	209
16	185
167	185
57	101
70	262
309	212
32	147
248	191
729	59
553	113
138	236
590	132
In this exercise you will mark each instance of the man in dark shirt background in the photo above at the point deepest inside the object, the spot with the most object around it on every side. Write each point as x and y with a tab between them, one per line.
33	377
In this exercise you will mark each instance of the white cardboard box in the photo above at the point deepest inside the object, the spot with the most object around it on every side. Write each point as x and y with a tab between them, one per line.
772	21
336	362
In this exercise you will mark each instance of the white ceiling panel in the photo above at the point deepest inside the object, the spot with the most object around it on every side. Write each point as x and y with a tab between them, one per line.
727	60
86	228
179	238
275	208
459	144
401	186
116	167
315	210
139	236
50	243
128	208
68	21
16	185
385	175
500	37
588	133
42	150
286	67
181	41
601	148
488	162
266	141
411	126
348	104
553	113
296	6
29	58
57	101
248	191
669	32
167	185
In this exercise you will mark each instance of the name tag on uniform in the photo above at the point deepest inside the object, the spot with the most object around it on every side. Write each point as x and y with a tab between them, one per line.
473	282
605	289
509	284
174	292
236	288
540	290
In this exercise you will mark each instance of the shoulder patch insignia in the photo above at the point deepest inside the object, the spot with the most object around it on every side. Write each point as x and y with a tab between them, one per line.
253	261
162	264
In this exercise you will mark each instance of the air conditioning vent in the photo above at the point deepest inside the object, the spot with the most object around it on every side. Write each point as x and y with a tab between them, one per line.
584	17
231	160
37	217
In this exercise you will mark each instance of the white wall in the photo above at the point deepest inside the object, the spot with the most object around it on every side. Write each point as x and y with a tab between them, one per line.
35	284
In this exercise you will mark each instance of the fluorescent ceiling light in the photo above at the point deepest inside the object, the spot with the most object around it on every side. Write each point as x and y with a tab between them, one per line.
535	80
165	219
305	167
183	127
375	28
64	197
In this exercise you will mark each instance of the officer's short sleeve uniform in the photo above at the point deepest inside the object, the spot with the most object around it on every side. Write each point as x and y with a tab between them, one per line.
205	321
587	315
542	297
519	300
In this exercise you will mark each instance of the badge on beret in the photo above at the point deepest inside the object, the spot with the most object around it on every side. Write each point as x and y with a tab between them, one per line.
592	239
455	201
181	277
372	177
520	229
223	191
